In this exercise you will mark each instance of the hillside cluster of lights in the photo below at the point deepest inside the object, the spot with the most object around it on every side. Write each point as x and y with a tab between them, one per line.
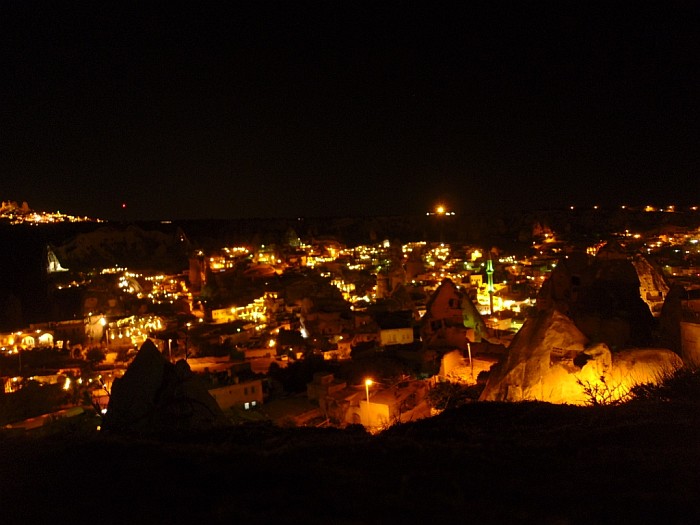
22	214
649	208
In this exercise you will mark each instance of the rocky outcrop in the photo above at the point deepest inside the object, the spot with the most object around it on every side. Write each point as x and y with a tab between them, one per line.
591	339
451	319
549	360
653	288
540	357
602	295
157	396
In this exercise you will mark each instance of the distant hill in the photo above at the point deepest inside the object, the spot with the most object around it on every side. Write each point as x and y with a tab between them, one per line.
127	246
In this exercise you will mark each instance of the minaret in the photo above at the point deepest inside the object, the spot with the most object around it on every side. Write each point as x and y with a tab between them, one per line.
490	288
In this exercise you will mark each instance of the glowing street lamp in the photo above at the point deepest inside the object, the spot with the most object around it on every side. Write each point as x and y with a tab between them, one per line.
187	333
368	383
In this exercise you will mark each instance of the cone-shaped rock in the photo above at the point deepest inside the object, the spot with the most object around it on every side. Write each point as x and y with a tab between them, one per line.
548	361
539	357
155	395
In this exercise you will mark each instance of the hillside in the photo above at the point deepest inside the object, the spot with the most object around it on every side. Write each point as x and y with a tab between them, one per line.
481	463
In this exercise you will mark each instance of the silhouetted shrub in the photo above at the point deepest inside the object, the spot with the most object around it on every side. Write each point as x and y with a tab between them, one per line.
95	355
446	394
681	385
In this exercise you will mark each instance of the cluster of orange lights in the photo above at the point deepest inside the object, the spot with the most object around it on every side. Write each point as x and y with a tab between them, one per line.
648	208
440	209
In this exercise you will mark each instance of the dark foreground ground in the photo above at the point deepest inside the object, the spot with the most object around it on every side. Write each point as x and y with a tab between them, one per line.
482	463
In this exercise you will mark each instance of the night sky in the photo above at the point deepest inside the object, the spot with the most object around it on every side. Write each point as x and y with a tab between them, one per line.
280	109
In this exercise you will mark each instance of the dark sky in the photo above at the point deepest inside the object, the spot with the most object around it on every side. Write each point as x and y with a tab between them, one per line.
271	109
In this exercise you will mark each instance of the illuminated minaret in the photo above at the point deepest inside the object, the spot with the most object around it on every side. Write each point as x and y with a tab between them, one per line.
490	288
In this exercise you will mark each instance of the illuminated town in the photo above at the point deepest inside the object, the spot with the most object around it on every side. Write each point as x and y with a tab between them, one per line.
347	263
311	332
240	315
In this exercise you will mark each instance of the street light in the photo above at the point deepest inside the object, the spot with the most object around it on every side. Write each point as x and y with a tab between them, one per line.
368	383
187	333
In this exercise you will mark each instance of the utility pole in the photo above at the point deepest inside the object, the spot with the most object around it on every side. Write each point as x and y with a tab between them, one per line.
187	334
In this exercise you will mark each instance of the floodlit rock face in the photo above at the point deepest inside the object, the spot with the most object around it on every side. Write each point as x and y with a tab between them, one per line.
588	342
540	357
608	378
643	365
653	289
155	395
549	361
